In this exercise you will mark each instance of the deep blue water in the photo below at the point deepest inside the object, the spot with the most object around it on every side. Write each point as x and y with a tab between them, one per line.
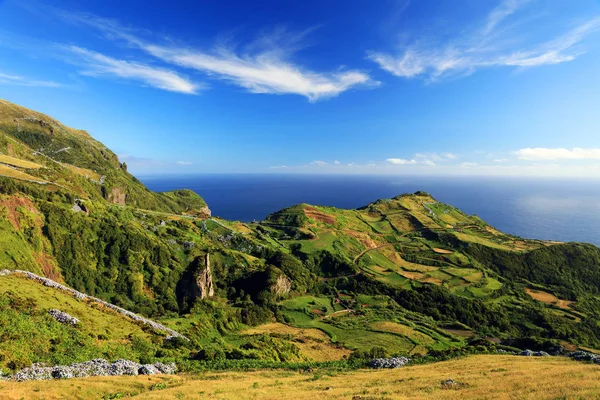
556	209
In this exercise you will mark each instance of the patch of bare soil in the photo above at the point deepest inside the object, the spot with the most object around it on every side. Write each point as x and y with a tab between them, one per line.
317	215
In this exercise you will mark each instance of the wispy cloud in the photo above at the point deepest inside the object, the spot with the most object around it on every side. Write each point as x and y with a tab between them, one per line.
7	79
501	12
548	154
262	66
97	64
484	47
319	163
430	159
401	161
184	163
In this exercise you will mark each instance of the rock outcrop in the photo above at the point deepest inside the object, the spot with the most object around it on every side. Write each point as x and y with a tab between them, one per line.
118	196
204	281
96	367
394	362
63	317
282	286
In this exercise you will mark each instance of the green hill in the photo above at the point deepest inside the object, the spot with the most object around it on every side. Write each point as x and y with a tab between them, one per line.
407	275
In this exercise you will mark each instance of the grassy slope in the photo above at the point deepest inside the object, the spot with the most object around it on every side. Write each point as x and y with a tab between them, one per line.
46	150
498	377
30	335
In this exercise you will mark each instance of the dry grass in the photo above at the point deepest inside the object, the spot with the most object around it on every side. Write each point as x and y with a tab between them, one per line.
484	377
548	298
311	342
474	277
442	251
463	333
87	173
405	330
412	275
431	279
13	173
17	162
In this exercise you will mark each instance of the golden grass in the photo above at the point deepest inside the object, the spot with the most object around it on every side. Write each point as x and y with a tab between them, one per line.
463	333
17	162
405	330
312	343
484	377
478	239
377	268
13	173
442	251
397	259
431	279
412	275
474	277
548	298
87	173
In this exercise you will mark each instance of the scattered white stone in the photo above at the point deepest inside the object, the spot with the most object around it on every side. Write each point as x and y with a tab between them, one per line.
394	362
63	317
96	367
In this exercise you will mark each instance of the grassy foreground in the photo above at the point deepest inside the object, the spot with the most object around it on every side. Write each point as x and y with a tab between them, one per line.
484	377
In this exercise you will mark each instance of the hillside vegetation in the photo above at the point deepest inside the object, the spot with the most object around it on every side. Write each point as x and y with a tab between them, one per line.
307	286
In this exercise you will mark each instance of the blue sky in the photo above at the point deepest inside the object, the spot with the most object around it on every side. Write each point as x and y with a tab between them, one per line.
471	87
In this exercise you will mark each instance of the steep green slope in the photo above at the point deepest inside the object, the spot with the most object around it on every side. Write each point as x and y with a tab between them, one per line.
407	275
29	334
38	148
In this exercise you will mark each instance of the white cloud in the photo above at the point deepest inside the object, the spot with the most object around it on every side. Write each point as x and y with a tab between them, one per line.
469	164
23	81
97	64
279	167
319	163
546	154
263	72
184	163
500	160
336	162
430	159
483	48
401	161
501	12
429	156
263	67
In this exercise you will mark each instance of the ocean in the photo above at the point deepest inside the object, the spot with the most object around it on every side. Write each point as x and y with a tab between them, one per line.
540	208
